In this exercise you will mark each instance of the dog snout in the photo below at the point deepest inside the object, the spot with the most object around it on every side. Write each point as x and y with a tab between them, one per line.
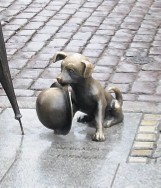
59	79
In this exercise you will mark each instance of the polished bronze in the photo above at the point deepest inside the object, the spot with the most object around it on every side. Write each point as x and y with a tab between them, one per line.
88	95
54	110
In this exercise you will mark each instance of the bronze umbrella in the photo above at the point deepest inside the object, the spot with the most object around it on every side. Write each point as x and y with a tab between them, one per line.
5	79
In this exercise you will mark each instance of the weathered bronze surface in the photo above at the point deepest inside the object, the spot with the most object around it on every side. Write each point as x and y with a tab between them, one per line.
5	79
88	95
54	110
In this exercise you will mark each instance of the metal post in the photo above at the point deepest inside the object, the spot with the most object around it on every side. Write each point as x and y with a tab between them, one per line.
5	79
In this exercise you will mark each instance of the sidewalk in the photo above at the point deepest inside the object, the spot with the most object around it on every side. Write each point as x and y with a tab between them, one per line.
123	40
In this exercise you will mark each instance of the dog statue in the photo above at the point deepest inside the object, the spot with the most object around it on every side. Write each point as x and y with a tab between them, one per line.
88	96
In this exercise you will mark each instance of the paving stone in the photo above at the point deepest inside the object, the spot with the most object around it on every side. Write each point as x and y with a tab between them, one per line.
34	25
50	73
126	67
19	21
124	88
154	66
91	24
130	26
95	46
134	175
152	117
69	28
40	18
42	83
108	32
47	29
33	46
115	52
75	43
63	35
152	98
24	93
100	69
19	39
73	49
146	137
46	13
30	73
41	37
129	97
20	83
42	57
4	102
143	87
158	37
118	45
11	27
146	31
33	9
82	36
26	15
155	50
149	122
123	78
135	51
109	27
14	72
141	153
92	53
148	76
121	38
37	64
100	39
26	102
17	64
137	160
101	76
156	44
158	90
107	60
23	55
141	106
143	145
140	45
147	129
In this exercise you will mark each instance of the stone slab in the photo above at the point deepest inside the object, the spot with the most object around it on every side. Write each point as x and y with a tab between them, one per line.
42	159
134	176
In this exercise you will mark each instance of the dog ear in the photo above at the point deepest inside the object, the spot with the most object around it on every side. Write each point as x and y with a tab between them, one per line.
88	68
59	56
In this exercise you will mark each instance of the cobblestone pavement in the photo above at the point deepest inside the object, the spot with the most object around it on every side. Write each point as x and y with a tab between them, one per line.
122	38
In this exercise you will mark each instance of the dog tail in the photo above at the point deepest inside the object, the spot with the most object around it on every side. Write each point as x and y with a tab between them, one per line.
118	94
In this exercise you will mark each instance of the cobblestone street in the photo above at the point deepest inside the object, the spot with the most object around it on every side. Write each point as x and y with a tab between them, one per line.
122	38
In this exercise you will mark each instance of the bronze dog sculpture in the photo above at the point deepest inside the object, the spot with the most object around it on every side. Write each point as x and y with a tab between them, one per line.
88	95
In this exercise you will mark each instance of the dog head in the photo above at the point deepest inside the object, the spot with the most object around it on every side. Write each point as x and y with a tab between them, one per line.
74	68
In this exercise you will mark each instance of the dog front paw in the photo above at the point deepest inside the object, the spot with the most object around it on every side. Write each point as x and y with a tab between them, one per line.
98	137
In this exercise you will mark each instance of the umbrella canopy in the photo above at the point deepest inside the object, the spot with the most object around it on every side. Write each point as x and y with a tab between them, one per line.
5	79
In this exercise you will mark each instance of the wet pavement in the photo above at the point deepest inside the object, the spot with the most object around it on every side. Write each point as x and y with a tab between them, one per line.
123	40
42	159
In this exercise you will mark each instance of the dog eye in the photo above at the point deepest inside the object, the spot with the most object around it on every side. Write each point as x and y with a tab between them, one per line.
71	70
